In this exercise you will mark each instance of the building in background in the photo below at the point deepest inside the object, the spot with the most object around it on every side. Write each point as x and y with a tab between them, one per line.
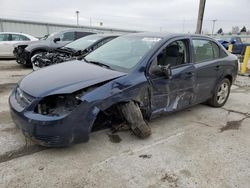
39	29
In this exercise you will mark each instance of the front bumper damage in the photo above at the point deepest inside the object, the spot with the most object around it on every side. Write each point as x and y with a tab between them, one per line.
53	131
22	55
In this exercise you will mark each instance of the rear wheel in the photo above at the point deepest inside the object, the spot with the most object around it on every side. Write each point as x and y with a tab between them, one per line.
221	94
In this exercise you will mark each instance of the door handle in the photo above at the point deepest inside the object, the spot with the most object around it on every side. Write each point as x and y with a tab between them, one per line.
189	74
217	67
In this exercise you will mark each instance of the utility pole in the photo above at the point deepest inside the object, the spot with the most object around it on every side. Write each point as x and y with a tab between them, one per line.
213	26
90	22
200	16
77	18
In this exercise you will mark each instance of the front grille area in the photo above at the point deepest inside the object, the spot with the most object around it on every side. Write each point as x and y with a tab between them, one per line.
22	56
22	98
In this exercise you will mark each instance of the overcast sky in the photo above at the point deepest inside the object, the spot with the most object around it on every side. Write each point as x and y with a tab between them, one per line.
153	15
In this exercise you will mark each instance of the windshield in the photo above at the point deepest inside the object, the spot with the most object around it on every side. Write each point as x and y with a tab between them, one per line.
123	53
45	37
84	42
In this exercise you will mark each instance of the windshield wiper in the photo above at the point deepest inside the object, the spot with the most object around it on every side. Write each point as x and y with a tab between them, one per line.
85	59
98	63
68	49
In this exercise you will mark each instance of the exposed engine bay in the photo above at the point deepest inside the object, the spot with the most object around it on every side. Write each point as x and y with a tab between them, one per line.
49	58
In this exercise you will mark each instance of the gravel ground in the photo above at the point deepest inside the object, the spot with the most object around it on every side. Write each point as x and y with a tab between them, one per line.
197	147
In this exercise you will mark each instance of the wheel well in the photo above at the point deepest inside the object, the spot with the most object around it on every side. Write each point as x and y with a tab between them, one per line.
230	78
105	118
110	116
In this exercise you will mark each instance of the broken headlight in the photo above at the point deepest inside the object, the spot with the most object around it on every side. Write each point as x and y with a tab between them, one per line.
62	104
57	105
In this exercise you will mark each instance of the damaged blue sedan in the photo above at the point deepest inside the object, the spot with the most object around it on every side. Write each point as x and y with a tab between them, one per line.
131	79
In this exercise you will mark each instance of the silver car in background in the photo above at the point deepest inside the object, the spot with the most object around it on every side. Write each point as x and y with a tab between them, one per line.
9	39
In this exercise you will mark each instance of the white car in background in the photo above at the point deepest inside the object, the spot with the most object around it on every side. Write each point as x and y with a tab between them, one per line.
7	41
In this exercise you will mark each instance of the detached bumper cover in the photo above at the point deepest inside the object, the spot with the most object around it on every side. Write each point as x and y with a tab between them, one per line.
54	131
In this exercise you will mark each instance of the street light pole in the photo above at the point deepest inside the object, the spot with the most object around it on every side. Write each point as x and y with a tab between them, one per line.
77	18
200	16
213	26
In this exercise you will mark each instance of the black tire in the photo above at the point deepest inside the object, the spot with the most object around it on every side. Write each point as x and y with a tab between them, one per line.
221	94
132	114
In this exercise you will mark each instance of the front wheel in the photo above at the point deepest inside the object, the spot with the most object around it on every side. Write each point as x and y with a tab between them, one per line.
221	94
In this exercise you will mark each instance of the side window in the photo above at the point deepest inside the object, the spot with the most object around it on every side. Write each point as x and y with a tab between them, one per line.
4	37
16	37
205	50
174	54
102	43
69	36
82	34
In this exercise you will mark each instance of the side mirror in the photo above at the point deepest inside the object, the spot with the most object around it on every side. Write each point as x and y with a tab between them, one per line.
56	40
166	69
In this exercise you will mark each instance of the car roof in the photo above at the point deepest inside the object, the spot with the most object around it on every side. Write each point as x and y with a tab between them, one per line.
166	35
107	34
5	32
75	29
27	35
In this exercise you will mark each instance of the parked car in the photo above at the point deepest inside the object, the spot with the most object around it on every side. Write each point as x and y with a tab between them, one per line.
74	50
238	45
132	78
25	51
224	43
7	41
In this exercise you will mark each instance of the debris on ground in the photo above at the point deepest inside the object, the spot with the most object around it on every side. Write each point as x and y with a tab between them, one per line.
145	156
41	168
114	138
171	179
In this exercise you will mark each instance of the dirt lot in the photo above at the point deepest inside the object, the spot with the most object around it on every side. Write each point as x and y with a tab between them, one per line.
197	147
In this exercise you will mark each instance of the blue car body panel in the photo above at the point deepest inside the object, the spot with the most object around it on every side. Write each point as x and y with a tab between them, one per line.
189	84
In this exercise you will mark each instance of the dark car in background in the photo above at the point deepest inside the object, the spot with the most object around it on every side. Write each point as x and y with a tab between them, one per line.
224	43
131	79
238	45
73	50
26	50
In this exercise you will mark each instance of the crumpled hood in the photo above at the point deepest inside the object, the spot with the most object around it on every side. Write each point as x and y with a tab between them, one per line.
66	77
36	44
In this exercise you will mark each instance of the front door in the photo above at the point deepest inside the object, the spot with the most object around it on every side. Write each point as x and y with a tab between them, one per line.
174	92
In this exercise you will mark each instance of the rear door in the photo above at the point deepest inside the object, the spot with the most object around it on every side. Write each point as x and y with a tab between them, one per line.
206	54
175	92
